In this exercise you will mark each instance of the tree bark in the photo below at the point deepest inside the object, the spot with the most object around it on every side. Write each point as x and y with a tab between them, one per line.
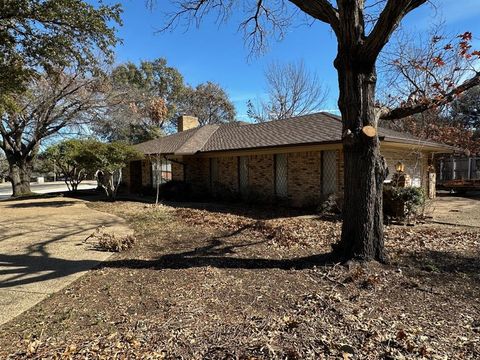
364	167
20	172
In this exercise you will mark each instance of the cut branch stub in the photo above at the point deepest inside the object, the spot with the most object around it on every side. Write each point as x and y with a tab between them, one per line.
369	131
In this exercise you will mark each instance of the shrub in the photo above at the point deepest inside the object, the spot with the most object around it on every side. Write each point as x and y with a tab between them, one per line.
114	243
403	202
224	193
332	204
175	190
258	198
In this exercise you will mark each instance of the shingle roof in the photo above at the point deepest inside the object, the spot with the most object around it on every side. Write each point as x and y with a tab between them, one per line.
166	144
196	142
308	129
302	130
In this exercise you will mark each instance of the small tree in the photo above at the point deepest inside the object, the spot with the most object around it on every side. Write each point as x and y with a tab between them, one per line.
292	91
64	156
3	167
106	160
156	159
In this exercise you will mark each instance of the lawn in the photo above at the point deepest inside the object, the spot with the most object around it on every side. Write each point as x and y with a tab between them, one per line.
230	283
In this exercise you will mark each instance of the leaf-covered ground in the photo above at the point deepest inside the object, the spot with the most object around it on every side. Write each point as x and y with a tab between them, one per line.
226	283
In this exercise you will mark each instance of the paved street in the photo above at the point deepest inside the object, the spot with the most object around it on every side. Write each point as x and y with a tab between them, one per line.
6	188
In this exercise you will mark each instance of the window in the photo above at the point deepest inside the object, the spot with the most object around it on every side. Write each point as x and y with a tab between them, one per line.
243	174
281	166
329	172
213	172
161	171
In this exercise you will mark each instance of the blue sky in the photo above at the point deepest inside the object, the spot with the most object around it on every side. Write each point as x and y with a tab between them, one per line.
218	53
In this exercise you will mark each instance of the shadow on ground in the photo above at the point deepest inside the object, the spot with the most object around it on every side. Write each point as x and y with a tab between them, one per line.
23	267
218	254
443	262
32	204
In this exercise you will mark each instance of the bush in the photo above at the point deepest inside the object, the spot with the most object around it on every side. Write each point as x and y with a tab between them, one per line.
175	190
402	202
332	204
222	192
257	198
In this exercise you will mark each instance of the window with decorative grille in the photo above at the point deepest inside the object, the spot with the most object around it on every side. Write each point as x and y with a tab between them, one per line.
329	172
281	167
243	174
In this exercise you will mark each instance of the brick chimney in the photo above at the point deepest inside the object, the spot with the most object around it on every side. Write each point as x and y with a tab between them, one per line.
186	122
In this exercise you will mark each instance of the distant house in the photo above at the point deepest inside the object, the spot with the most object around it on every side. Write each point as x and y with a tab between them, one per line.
298	159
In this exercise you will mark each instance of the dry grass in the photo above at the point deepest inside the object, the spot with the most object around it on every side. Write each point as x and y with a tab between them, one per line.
113	242
234	284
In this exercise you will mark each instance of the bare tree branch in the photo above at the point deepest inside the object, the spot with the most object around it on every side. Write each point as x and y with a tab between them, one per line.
402	112
387	23
321	10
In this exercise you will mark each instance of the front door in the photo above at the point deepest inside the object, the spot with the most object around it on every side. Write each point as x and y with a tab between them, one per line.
136	176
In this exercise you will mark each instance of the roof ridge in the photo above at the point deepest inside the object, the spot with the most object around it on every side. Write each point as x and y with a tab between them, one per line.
244	123
198	140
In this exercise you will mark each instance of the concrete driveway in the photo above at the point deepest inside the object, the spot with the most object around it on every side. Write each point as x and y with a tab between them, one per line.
456	210
43	248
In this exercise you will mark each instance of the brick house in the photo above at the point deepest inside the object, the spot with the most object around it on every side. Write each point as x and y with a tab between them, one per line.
298	159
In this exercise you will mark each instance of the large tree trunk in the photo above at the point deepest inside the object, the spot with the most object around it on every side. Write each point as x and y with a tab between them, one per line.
20	172
362	230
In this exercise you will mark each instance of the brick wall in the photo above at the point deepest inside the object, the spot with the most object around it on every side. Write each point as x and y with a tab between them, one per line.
197	172
177	170
261	174
228	173
146	173
304	172
304	178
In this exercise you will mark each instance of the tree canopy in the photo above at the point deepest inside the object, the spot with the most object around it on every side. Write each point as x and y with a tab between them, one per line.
50	104
208	102
64	156
51	55
106	160
466	109
144	98
41	35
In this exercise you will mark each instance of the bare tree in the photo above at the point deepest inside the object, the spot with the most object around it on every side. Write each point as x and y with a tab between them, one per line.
362	29
292	90
52	103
